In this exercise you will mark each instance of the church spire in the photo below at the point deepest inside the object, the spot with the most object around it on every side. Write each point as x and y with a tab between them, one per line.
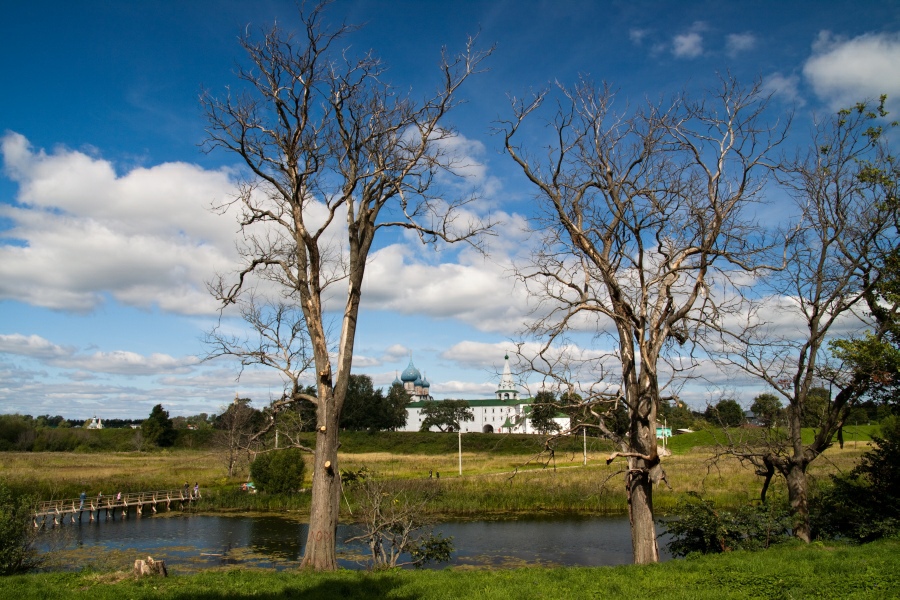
507	389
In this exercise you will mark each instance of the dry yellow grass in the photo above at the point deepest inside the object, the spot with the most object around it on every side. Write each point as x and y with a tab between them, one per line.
55	475
490	485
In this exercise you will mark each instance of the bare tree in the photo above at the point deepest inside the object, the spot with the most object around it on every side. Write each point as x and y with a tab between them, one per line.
396	526
833	256
278	340
644	214
328	145
235	435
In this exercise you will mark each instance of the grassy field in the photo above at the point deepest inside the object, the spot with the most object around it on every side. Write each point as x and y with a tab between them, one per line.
502	475
789	571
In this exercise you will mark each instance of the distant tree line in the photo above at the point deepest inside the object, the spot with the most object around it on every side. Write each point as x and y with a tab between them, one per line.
371	409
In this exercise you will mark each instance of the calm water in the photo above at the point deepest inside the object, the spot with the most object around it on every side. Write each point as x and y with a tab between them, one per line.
190	543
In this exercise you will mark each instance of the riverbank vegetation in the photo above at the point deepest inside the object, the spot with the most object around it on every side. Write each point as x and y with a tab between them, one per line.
792	570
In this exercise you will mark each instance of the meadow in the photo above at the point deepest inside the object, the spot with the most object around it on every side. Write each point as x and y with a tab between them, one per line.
501	475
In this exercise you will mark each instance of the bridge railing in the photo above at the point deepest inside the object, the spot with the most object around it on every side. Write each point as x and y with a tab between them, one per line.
92	503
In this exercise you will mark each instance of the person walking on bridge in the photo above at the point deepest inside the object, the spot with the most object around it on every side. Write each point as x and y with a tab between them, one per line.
82	497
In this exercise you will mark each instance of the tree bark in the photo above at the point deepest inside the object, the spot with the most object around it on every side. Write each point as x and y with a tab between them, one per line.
320	552
639	488
795	476
640	514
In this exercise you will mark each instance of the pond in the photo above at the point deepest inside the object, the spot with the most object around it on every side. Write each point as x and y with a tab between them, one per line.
189	543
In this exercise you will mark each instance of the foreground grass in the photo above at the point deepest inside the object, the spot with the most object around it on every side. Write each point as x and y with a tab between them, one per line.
790	571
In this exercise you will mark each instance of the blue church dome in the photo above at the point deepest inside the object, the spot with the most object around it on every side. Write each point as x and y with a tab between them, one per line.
411	373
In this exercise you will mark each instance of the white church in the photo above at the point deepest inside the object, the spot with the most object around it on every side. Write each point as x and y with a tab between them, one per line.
506	412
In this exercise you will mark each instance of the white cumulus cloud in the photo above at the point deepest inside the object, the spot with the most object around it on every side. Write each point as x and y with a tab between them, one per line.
81	231
844	71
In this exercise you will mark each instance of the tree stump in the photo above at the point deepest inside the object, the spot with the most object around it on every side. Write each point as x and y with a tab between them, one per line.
150	567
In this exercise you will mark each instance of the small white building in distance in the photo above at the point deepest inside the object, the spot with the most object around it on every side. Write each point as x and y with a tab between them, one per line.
506	412
94	423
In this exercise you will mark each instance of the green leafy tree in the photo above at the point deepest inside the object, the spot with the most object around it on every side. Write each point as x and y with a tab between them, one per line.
874	358
396	401
446	415
366	408
611	419
158	429
543	410
676	415
767	408
18	552
727	413
279	471
816	407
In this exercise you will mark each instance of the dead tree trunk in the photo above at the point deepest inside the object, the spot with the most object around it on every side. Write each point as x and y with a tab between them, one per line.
320	553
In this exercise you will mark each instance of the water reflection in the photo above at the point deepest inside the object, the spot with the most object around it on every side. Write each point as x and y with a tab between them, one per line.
190	543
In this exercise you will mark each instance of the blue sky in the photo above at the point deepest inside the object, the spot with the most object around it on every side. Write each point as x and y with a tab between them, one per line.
107	239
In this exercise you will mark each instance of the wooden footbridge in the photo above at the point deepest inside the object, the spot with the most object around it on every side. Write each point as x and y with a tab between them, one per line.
56	511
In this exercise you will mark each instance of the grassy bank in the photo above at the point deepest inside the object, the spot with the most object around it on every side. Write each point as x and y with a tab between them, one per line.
790	571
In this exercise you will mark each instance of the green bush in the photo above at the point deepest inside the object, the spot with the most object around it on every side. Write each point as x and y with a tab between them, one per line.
864	505
17	536
279	471
699	527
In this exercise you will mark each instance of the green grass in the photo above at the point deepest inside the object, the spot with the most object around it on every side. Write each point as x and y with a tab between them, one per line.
710	438
505	477
789	571
436	443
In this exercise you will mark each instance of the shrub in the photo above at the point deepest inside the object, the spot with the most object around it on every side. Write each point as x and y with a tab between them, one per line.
864	505
279	471
395	524
699	527
17	536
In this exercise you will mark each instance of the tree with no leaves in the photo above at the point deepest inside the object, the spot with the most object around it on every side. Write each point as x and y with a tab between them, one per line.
237	431
644	214
331	150
834	257
278	340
